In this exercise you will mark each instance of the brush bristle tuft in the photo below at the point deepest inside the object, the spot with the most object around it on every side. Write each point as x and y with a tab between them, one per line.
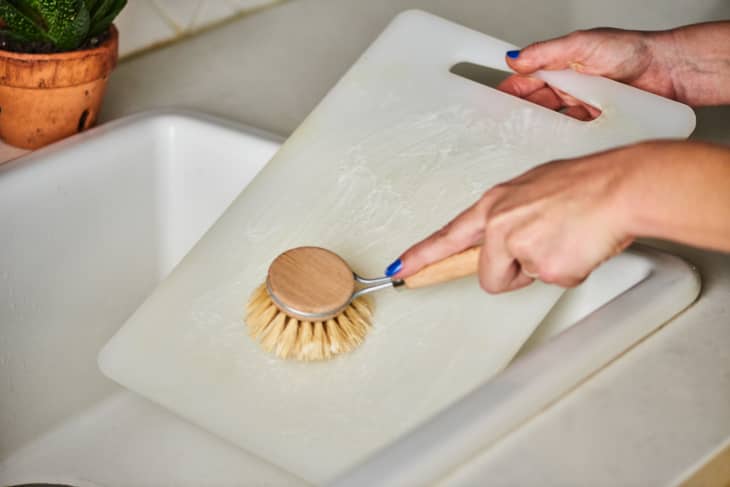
290	338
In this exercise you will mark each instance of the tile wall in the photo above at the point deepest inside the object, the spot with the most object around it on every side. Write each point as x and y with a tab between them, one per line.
144	23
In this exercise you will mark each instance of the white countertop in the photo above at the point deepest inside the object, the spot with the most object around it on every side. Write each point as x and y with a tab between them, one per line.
643	420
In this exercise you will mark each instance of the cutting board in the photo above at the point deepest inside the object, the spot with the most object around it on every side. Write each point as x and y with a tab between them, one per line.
398	147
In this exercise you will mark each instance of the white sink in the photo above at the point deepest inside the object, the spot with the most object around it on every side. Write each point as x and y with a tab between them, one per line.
92	224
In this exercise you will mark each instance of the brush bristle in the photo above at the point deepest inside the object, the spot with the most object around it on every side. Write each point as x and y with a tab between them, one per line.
290	338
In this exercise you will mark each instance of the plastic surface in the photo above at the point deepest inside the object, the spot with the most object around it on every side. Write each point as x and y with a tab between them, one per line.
398	147
62	421
448	443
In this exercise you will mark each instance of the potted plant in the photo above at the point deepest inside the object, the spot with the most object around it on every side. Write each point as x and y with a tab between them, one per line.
55	59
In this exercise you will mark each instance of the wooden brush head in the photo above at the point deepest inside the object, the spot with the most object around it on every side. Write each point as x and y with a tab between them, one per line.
310	283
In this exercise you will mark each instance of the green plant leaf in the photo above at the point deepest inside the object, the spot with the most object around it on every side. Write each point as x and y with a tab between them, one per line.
18	37
91	5
99	26
26	9
64	23
20	25
68	21
43	12
102	6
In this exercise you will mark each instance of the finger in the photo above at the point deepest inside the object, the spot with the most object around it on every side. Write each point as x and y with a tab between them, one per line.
497	267
573	281
579	112
463	231
567	280
536	91
567	99
527	267
592	111
571	101
568	268
546	97
559	53
521	86
522	280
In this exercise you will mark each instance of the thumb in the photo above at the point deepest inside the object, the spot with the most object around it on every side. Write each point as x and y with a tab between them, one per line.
559	53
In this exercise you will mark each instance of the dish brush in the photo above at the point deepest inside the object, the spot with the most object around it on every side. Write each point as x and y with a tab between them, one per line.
314	307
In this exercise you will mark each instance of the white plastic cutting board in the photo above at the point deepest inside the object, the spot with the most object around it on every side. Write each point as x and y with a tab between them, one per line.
397	148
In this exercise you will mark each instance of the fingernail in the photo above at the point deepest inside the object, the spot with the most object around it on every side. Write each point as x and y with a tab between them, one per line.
513	54
394	268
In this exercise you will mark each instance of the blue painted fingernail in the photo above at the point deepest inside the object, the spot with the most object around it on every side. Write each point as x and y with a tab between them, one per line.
394	268
513	54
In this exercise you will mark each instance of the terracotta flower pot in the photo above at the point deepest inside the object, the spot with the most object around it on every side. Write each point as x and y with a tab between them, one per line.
46	97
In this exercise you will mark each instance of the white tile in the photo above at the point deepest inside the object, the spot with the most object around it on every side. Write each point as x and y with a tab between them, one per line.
212	11
243	5
140	25
181	12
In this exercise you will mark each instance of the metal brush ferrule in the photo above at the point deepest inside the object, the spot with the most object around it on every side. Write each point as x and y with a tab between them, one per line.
371	285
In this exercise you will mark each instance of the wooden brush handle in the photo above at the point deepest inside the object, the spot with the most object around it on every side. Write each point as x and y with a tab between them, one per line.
453	267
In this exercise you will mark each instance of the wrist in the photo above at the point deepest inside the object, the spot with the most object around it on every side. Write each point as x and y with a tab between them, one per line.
665	54
694	58
628	163
646	172
653	187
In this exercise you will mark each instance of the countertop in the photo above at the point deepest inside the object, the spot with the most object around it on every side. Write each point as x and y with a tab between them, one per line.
648	417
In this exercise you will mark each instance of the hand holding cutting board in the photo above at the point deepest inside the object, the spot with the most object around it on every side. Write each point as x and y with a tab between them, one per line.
559	221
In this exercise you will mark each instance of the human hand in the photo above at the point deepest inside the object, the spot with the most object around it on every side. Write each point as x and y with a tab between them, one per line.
556	222
688	64
559	221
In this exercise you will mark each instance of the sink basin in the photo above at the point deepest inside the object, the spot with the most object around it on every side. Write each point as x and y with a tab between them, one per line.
92	224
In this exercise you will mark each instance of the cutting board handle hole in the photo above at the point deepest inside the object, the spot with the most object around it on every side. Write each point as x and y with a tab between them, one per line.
491	77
